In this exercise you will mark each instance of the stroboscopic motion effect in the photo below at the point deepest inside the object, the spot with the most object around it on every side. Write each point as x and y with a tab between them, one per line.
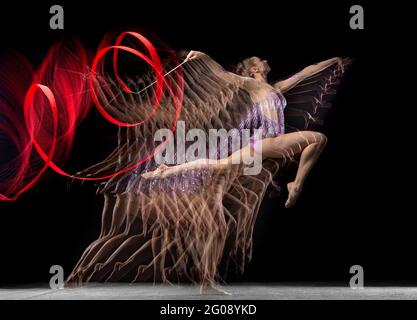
193	218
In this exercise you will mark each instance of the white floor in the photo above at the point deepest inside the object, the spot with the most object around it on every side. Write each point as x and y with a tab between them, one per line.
186	292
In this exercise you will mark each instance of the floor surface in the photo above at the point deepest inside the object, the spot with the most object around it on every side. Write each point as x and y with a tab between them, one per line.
187	292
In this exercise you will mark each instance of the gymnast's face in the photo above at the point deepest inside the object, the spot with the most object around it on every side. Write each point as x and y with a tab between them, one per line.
259	68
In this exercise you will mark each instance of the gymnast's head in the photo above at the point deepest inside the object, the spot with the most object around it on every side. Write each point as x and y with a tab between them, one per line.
253	67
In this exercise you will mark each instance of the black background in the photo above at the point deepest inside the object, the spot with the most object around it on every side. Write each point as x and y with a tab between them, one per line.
355	207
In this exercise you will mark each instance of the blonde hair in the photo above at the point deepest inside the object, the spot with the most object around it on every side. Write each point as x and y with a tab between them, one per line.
243	68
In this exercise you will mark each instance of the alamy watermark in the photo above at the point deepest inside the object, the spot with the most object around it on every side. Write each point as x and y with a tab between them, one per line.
57	20
57	280
357	19
202	145
356	281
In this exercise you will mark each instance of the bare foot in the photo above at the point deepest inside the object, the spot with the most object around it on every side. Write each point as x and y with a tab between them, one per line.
155	173
293	194
164	171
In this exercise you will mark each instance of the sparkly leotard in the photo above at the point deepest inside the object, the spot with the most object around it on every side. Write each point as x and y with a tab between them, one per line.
267	115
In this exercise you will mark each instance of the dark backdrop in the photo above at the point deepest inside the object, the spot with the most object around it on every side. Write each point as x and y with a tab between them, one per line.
355	206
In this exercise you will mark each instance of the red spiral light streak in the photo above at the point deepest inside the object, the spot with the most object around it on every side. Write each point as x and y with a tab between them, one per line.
71	109
27	105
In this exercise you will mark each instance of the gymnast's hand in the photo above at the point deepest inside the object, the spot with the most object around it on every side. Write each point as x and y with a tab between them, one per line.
342	62
339	61
194	55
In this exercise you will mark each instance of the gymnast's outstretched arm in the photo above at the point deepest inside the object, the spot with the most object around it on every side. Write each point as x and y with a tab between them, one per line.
198	54
309	71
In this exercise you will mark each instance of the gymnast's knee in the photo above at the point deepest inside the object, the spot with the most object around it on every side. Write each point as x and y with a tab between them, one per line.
321	139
